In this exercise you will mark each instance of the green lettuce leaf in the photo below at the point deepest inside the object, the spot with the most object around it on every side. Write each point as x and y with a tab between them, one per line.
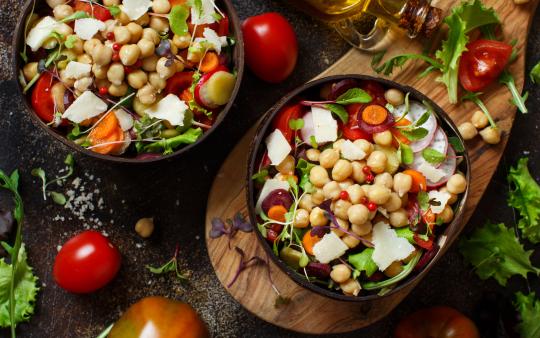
495	251
528	307
525	197
363	261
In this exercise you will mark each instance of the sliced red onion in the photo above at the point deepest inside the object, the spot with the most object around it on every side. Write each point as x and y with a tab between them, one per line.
379	128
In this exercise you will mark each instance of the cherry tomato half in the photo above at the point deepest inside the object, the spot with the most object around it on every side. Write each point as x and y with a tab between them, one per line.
351	131
178	82
281	121
271	46
99	12
42	99
86	263
439	321
159	317
482	63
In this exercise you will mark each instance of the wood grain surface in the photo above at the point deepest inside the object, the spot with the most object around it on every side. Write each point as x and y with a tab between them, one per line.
311	313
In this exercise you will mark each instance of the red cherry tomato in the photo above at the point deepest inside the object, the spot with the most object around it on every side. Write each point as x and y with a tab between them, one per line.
178	82
86	263
482	63
42	99
351	131
271	46
98	12
439	321
281	121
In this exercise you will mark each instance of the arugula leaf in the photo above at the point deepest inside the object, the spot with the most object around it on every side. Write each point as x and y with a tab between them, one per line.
517	99
407	156
414	134
495	251
535	73
296	124
528	307
178	19
339	111
476	15
433	156
525	197
456	144
423	119
363	261
260	177
354	95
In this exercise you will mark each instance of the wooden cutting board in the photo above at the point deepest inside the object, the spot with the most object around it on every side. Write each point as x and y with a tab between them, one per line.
311	313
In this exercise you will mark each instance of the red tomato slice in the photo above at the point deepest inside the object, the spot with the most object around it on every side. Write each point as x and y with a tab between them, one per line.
98	12
351	130
482	63
42	100
281	121
179	82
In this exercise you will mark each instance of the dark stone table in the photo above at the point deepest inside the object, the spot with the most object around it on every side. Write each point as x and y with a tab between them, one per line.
175	194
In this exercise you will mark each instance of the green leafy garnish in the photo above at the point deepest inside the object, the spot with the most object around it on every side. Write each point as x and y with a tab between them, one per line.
178	19
456	144
495	251
524	196
407	269
354	95
38	172
407	156
170	266
474	97
528	307
114	10
75	16
261	176
387	68
304	167
433	156
517	99
340	112
313	142
535	73
415	134
58	198
70	41
168	145
407	233
296	124
423	200
363	261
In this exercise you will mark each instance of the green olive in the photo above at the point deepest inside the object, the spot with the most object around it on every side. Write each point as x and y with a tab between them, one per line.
291	257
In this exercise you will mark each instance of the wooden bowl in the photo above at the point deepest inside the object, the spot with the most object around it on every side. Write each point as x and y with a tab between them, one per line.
238	61
444	240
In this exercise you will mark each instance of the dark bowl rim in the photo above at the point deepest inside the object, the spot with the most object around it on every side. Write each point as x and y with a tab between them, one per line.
451	232
238	60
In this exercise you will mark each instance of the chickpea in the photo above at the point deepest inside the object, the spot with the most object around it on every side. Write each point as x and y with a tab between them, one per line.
306	202
109	28
89	45
331	190
144	227
301	218
337	145
447	215
118	90
365	188
479	119
350	287
161	25
147	94
399	218
123	18
78	44
100	72
286	167
196	53
384	179
357	171
341	207
149	64
402	183
318	176
358	214
182	41
340	273
84	58
350	241
393	269
317	217
150	34
111	2
179	65
139	107
122	35
135	31
161	6
453	197
62	11
129	54
313	155
163	70
384	138
345	184
143	20
456	184
328	158
362	229
147	48
467	130
393	203
30	70
342	170
102	55
365	145
343	224
156	81
57	91
137	79
50	43
54	3
115	74
377	161
491	135
395	97
69	82
379	194
83	84
317	196
356	193
369	238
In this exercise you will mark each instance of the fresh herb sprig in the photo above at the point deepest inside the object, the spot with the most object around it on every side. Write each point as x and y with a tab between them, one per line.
57	197
171	266
353	95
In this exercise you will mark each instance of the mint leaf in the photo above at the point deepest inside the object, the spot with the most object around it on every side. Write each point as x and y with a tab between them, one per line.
354	95
178	19
433	156
339	111
407	156
456	144
414	134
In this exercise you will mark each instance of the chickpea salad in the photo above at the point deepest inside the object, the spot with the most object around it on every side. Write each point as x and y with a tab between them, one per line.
137	78
354	188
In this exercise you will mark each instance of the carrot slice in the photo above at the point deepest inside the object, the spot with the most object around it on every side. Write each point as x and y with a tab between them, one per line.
397	133
109	144
105	135
419	182
308	241
374	114
277	213
209	62
105	127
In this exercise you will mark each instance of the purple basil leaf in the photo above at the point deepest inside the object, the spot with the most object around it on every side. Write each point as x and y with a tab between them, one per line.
244	264
240	223
6	224
164	48
218	228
